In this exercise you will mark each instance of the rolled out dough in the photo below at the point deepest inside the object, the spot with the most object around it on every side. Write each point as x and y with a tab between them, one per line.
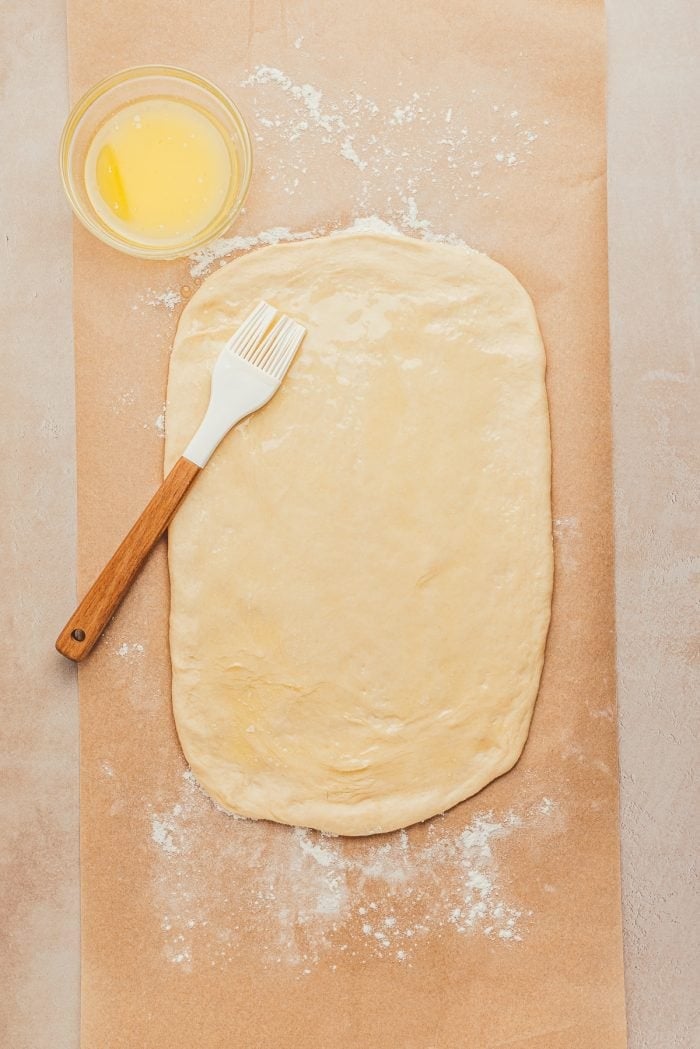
361	577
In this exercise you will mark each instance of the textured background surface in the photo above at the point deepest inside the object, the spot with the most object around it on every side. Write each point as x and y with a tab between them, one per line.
654	204
653	159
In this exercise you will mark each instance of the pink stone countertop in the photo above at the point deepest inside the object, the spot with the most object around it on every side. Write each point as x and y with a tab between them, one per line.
654	203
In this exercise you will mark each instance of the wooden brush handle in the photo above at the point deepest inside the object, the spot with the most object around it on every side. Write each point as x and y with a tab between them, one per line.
102	599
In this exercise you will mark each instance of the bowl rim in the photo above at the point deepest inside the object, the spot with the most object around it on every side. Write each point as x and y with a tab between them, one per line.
135	73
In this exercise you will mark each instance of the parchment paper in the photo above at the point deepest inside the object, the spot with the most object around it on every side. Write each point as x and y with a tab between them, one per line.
499	924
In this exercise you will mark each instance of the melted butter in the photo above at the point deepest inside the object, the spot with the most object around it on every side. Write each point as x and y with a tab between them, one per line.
159	172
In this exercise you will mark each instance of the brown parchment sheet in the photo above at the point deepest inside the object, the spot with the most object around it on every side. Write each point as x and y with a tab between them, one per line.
499	923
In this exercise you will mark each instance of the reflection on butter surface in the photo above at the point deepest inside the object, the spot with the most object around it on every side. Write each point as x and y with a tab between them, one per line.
158	171
361	577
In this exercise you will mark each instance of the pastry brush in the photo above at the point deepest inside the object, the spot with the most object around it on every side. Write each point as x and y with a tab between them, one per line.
247	373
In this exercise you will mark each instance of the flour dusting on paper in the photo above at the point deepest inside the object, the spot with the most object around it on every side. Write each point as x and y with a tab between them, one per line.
392	170
127	649
377	143
382	140
303	896
169	298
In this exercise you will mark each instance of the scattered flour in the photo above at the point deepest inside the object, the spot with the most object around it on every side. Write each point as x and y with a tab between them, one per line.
403	115
126	649
307	95
125	400
347	151
396	171
204	258
567	532
302	895
373	224
168	298
219	251
162	833
456	138
411	219
159	424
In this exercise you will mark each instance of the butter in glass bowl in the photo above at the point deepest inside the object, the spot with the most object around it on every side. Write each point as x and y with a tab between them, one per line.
156	161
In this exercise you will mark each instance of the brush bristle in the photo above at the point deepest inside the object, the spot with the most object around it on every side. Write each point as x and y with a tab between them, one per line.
274	353
252	330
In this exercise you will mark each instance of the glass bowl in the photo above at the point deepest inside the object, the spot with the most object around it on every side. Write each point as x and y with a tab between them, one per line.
134	85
